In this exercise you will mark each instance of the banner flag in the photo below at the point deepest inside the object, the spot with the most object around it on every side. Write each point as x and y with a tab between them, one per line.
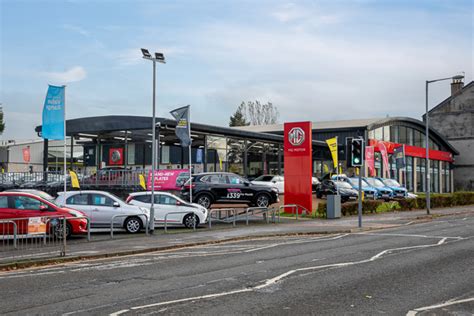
142	181
26	154
399	154
54	114
332	143
383	151
182	128
74	180
370	159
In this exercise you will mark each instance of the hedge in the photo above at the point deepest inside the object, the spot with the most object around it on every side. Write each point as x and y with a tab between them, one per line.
377	206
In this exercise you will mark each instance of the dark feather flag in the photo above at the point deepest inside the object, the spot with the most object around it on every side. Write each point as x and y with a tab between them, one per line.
182	127
399	154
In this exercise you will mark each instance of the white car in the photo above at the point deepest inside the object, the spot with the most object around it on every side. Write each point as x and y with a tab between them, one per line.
101	207
271	180
165	203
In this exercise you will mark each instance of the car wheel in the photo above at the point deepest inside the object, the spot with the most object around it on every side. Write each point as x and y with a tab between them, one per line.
133	225
204	200
262	200
58	230
189	219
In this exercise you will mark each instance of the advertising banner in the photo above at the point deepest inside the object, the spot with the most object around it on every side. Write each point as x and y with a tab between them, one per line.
54	114
36	226
116	156
383	151
26	154
169	179
332	143
298	164
182	128
370	159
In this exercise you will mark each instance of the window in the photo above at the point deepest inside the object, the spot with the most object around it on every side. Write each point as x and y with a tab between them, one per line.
78	199
166	199
386	133
402	135
236	180
214	178
142	198
26	203
410	136
409	174
394	134
378	134
3	201
101	200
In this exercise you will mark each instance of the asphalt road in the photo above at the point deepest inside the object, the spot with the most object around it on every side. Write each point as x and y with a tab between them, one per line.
422	269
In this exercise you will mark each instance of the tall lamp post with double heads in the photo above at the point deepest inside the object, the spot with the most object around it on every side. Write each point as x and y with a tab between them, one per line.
427	139
159	57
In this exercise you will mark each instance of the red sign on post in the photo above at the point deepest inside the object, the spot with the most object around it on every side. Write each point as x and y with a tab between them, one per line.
298	169
116	156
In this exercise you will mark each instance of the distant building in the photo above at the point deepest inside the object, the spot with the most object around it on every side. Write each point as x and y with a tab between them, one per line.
454	119
12	156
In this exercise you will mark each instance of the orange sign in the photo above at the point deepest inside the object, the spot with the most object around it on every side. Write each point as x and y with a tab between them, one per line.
36	226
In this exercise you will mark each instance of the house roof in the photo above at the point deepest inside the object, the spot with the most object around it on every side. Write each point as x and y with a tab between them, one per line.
448	99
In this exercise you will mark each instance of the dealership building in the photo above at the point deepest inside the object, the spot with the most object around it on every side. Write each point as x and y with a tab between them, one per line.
125	142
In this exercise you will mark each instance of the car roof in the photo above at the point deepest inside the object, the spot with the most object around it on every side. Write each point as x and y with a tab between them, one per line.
149	193
12	193
82	191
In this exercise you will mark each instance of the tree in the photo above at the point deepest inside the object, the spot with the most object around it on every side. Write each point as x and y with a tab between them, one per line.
2	125
259	114
238	119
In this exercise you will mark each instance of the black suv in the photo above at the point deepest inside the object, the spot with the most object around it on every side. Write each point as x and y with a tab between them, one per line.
223	187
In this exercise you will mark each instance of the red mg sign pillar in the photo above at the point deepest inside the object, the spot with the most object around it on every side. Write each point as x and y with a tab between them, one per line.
298	168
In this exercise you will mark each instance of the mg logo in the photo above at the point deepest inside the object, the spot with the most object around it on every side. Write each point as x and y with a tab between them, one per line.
296	136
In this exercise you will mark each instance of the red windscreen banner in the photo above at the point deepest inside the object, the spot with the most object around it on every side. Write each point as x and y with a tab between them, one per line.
298	169
413	151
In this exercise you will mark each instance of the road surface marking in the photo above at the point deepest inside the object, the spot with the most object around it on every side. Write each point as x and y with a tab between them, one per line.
445	304
280	277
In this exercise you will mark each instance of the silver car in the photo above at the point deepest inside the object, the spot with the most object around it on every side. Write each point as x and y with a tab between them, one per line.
101	207
169	203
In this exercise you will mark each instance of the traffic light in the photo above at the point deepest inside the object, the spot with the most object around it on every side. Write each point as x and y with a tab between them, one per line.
357	152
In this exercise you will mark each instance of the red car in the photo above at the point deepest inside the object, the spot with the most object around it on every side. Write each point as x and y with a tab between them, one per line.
17	205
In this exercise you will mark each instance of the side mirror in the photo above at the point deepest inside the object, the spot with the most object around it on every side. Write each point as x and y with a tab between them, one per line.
247	183
273	181
116	204
178	203
43	208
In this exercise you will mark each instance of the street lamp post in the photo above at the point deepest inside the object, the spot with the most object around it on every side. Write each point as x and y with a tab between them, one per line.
159	57
427	138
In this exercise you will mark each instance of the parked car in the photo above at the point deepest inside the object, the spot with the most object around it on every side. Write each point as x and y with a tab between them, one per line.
383	192
39	193
223	187
165	202
271	180
101	207
331	187
398	190
26	205
369	192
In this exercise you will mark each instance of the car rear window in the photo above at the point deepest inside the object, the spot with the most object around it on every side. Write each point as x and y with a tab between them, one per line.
142	198
78	199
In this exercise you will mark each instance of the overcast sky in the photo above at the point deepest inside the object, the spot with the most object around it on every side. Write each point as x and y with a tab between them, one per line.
314	60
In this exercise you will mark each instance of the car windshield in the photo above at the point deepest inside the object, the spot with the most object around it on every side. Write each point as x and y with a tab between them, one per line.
355	182
342	185
44	195
392	183
375	182
264	178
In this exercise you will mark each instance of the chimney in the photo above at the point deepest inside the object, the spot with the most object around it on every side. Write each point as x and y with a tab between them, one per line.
456	86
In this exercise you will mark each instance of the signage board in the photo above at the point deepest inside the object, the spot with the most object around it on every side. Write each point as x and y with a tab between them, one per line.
168	179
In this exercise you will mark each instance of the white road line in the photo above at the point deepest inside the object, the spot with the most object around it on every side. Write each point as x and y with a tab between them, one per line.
410	235
278	278
445	304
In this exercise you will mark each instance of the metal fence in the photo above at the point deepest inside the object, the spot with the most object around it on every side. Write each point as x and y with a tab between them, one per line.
53	181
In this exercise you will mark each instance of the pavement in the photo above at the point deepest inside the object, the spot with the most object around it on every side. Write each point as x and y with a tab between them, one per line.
102	246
